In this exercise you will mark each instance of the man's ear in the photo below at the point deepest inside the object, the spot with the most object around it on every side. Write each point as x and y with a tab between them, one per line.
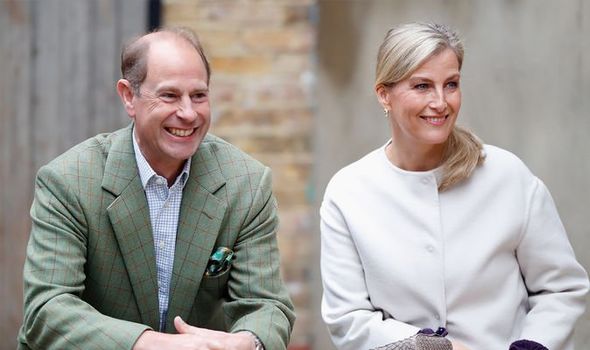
125	91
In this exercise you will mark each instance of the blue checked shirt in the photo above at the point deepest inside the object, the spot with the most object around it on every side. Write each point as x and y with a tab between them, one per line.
164	204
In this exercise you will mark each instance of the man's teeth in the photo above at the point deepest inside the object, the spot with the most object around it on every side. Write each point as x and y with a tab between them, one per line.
180	132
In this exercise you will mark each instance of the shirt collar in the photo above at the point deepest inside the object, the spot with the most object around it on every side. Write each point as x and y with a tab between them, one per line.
146	172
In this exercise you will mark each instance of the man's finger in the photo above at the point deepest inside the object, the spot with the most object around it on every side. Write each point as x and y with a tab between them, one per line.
181	326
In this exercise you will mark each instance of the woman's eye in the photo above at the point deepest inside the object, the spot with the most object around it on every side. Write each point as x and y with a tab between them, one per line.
453	84
422	86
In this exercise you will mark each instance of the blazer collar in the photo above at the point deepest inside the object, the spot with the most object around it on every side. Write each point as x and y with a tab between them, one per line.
205	167
201	215
121	167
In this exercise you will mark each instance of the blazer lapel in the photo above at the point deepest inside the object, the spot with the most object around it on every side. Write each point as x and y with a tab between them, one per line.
129	216
201	215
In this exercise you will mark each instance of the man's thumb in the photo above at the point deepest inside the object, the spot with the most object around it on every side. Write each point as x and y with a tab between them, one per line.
180	325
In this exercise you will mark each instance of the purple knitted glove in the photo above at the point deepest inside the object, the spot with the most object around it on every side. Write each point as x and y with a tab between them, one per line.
524	344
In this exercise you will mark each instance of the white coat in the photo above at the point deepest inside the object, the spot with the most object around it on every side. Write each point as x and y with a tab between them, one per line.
488	259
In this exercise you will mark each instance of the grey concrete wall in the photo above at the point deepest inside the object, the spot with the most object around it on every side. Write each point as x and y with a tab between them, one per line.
525	83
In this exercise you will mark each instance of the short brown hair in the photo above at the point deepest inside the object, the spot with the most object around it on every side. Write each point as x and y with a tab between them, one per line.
134	54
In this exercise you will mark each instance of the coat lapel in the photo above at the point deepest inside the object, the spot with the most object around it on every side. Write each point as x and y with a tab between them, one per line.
129	216
201	215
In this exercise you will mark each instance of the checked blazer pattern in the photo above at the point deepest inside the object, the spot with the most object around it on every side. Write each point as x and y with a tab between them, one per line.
90	274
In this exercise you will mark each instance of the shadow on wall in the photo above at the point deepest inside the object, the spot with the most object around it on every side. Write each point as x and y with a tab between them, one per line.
337	34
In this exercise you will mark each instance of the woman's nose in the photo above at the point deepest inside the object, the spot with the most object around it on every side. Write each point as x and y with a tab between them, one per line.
438	101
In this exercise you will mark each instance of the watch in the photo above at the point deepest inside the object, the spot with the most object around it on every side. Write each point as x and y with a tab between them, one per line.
257	343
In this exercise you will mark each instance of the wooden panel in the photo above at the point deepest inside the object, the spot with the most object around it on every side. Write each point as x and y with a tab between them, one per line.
73	69
15	161
46	135
103	36
59	64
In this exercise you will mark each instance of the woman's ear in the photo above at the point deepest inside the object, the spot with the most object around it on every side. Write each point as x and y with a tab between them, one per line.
382	93
125	91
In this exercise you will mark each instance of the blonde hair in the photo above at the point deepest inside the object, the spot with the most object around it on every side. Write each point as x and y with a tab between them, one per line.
405	48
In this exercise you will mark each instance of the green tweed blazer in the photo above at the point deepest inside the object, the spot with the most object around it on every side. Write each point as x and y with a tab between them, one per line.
90	272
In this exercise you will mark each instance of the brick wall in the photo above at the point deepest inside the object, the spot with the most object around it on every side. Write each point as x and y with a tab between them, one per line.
262	84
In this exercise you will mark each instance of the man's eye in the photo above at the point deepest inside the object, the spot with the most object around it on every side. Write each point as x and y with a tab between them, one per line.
167	96
199	97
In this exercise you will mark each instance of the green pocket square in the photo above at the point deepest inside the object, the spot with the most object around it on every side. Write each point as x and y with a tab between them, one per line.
219	261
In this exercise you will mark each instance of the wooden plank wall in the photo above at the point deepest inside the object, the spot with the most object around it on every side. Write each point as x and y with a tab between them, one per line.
59	63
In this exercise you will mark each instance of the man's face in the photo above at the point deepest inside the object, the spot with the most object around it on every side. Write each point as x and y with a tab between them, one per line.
171	111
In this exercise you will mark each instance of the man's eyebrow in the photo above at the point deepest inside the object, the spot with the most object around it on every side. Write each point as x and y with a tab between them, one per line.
171	87
167	87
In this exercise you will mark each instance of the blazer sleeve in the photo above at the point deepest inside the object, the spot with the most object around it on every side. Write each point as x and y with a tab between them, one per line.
55	316
353	321
259	301
556	283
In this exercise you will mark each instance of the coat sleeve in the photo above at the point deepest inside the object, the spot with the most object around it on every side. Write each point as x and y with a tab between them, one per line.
258	299
352	320
556	283
55	316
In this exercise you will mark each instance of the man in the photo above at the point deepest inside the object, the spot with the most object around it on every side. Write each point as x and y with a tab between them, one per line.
156	236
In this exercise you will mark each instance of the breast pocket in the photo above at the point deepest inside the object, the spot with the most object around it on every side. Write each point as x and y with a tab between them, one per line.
207	309
215	284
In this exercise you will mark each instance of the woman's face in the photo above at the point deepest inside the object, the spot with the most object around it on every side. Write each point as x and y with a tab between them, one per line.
423	108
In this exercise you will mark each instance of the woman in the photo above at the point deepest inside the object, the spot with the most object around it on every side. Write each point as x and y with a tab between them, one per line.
434	229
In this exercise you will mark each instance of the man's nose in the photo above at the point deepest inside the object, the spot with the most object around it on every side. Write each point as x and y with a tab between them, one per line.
185	109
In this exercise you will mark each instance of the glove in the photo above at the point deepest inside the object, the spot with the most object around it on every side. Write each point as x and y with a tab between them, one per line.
524	344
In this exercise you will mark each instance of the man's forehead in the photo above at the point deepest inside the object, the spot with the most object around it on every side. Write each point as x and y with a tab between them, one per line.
172	50
169	41
161	36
